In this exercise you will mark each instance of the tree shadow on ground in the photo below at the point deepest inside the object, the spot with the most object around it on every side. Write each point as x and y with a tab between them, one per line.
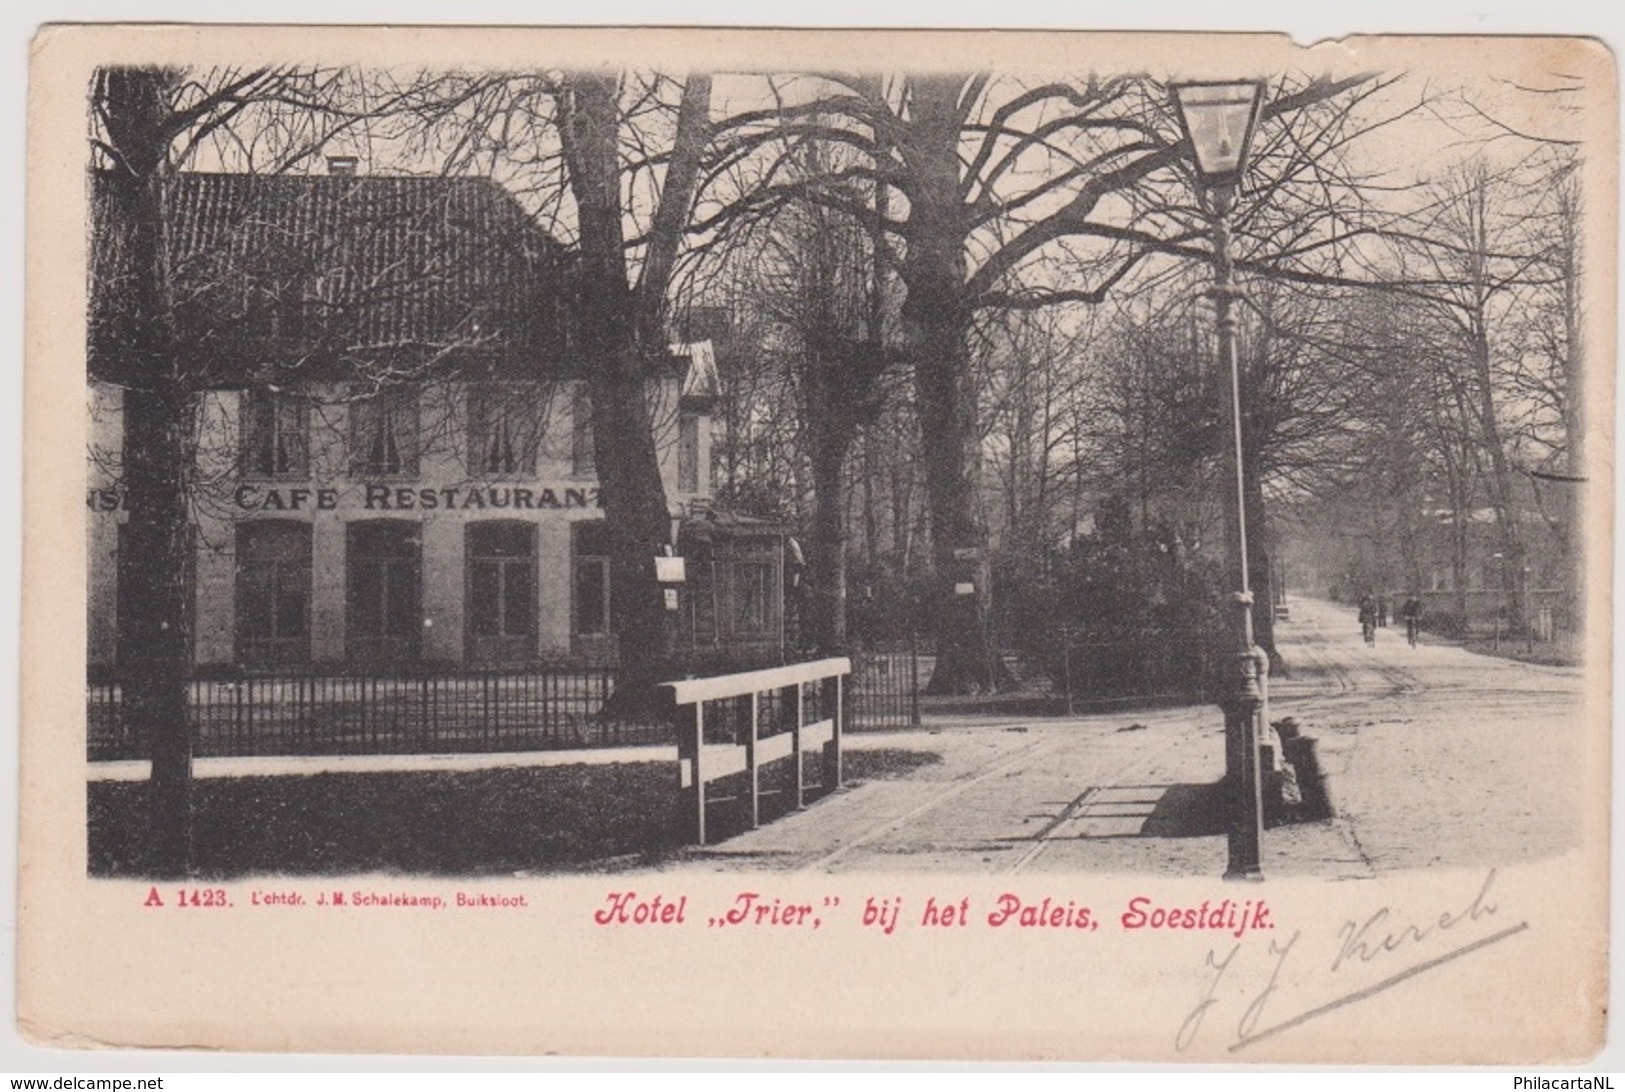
451	823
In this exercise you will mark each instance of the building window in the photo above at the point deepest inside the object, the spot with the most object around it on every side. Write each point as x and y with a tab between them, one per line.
276	435
273	593
583	460
504	429
753	596
590	584
383	435
688	454
383	591
501	599
702	600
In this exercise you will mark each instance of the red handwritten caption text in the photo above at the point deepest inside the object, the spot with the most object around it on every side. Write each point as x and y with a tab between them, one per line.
885	914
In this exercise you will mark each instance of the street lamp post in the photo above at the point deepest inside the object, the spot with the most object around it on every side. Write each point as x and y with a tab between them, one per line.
1498	602
1219	119
1527	613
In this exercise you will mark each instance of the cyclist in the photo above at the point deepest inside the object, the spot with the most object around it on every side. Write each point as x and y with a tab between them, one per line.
1412	612
1368	619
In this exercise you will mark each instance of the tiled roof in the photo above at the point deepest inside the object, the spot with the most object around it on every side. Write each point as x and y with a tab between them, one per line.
342	276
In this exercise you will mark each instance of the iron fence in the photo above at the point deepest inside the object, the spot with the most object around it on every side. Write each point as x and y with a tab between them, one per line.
1098	671
885	690
381	714
543	709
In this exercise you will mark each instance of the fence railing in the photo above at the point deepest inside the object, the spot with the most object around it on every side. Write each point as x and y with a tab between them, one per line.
804	714
380	714
1095	671
541	709
884	690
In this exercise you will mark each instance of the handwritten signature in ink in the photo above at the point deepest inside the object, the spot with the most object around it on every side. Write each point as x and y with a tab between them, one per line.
1376	941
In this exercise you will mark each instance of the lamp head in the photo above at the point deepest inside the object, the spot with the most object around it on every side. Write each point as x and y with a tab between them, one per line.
1219	119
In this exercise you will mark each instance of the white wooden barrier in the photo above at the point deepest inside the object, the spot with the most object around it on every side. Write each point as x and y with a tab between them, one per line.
699	762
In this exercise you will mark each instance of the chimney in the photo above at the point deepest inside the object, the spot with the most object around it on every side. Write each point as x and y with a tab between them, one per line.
342	165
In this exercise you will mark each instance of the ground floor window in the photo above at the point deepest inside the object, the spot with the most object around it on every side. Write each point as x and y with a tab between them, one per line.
501	598
273	593
383	612
702	601
754	587
590	601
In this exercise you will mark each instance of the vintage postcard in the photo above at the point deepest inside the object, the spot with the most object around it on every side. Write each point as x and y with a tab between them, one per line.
815	544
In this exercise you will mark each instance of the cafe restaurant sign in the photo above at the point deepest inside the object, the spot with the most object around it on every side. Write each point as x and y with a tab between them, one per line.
380	497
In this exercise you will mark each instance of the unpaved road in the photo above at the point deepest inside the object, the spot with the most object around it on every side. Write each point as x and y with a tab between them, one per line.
1433	756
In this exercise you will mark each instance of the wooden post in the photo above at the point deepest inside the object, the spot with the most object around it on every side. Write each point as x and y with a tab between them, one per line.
838	729
699	777
750	763
832	750
795	745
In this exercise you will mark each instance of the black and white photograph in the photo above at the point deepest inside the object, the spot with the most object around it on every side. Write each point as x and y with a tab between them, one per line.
819	544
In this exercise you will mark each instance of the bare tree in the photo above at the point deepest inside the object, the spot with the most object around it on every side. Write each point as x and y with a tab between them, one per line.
152	336
608	162
814	278
997	176
621	321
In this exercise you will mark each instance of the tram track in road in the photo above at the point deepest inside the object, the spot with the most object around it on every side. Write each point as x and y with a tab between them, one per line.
1081	783
1319	651
994	767
1359	677
1079	804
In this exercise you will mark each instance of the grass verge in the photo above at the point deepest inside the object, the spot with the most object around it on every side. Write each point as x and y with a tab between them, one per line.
463	823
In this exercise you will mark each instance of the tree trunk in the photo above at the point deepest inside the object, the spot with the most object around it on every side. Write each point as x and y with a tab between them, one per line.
826	601
158	451
1458	539
934	325
1500	481
639	526
155	653
618	371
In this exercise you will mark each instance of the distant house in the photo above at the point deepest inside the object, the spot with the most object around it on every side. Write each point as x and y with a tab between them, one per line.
395	459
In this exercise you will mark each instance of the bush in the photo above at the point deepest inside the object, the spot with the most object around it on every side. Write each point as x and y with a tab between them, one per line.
885	608
1446	623
1116	618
